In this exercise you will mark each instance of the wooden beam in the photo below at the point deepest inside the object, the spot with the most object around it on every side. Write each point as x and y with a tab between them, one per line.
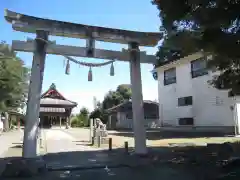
81	52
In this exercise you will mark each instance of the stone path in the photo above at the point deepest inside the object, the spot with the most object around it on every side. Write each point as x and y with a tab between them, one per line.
59	141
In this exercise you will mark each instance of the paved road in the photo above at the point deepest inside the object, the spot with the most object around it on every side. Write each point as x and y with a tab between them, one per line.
58	140
81	134
8	139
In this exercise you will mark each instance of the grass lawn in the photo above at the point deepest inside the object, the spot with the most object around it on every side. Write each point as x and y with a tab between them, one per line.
202	162
197	141
118	141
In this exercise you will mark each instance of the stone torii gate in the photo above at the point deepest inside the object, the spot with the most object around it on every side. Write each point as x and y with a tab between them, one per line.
45	27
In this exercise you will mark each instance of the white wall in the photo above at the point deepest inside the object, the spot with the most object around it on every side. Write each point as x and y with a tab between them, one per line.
211	107
123	122
167	102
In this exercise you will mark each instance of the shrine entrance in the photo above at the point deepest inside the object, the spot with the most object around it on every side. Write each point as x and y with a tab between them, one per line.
41	46
53	121
55	109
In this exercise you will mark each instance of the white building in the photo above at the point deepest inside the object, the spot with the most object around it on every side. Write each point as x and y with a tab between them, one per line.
121	117
186	99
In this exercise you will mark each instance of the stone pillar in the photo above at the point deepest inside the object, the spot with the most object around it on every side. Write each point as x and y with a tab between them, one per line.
67	122
137	100
34	94
18	122
91	129
110	121
236	114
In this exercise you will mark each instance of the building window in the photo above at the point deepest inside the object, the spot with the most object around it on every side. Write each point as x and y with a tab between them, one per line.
185	121
185	101
170	76
199	67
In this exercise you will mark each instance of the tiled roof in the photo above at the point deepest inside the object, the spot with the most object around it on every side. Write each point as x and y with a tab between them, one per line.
127	104
51	101
53	97
181	57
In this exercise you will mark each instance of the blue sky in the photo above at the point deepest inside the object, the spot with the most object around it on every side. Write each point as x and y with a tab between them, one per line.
139	15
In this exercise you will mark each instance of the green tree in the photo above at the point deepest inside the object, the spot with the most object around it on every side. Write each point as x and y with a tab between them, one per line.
84	111
125	91
99	113
112	98
96	113
13	81
211	26
81	119
84	116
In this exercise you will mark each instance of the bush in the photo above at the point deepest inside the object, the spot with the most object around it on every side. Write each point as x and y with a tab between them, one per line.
79	121
74	121
98	113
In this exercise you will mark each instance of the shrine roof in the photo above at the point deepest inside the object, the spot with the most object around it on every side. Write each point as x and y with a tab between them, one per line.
30	24
52	101
54	98
127	105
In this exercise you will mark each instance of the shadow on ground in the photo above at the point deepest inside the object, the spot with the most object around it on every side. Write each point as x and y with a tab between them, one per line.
165	163
157	134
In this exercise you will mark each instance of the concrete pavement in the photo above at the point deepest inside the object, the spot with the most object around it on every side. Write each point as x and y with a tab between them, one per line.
58	140
7	140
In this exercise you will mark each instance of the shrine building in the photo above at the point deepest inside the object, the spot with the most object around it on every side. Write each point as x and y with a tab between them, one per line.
55	109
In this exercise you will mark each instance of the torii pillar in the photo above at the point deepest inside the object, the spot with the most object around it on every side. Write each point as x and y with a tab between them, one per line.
137	100
35	88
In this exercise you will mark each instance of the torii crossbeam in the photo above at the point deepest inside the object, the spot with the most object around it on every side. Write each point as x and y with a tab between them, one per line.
28	46
45	27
